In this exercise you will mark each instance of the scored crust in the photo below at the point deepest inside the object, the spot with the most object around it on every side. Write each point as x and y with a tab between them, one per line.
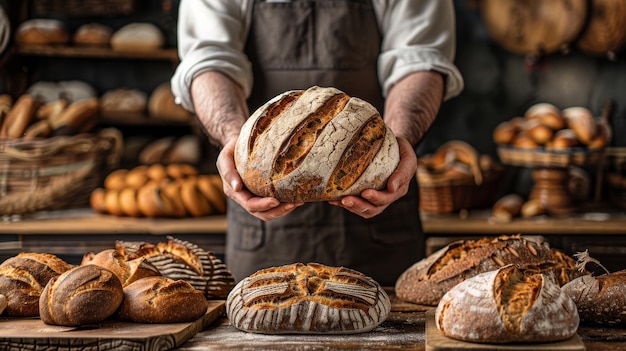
507	305
307	299
315	145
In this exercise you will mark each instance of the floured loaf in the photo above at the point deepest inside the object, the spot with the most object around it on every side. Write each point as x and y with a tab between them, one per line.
315	145
507	305
426	281
307	299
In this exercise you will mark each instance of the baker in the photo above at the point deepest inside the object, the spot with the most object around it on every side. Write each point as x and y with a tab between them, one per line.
397	55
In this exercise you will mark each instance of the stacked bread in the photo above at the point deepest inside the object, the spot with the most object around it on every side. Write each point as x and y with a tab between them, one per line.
28	118
125	283
174	190
429	279
544	126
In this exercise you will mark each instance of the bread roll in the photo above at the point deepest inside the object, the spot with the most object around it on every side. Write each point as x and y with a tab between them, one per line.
137	37
541	109
307	299
181	170
533	208
116	180
426	281
83	295
582	122
93	34
96	200
51	109
152	202
162	300
315	145
162	105
76	114
172	190
124	100
23	278
507	305
563	140
128	202
505	132
601	300
209	187
196	204
507	207
41	31
19	117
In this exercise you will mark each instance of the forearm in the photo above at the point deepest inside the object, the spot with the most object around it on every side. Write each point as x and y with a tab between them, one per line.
220	105
413	104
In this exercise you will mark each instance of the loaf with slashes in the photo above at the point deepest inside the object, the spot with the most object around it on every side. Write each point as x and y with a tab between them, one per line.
316	144
508	305
307	299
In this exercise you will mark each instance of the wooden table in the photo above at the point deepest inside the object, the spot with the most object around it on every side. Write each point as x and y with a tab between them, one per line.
404	329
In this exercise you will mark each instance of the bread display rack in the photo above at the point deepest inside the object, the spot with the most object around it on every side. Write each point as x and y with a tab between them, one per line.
550	172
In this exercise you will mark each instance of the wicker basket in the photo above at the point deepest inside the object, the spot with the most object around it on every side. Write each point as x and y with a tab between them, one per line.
543	158
441	194
54	173
84	8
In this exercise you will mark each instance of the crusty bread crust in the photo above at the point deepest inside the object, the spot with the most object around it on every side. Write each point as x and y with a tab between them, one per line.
315	145
307	299
507	305
429	279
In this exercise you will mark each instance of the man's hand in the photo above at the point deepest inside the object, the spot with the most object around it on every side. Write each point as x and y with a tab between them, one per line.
264	208
372	202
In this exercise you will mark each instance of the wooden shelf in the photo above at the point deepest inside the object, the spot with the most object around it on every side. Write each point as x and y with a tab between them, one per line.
95	52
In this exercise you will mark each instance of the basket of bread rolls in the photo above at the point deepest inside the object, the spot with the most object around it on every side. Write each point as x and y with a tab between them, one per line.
457	177
51	157
547	136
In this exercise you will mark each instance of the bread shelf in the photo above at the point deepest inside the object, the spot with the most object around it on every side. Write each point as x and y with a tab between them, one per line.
169	54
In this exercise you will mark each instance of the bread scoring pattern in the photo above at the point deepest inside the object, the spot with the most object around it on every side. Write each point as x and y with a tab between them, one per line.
307	299
507	305
315	145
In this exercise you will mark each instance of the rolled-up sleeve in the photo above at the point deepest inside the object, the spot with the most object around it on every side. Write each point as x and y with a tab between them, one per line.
211	36
418	35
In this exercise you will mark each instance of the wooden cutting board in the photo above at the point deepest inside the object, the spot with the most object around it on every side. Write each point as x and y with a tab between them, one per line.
435	341
32	334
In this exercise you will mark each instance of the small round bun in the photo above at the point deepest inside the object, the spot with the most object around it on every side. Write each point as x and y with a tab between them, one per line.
162	300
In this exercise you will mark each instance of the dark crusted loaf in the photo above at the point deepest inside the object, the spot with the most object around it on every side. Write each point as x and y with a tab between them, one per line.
427	280
315	145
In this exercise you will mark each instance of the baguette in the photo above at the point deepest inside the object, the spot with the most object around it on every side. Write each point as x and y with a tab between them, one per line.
19	117
76	114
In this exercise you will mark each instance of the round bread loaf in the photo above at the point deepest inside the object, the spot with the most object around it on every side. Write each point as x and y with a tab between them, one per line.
140	36
315	145
307	299
83	295
600	300
42	31
23	278
507	305
93	34
160	299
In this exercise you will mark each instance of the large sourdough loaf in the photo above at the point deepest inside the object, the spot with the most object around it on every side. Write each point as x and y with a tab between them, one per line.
507	305
307	299
315	145
600	300
429	279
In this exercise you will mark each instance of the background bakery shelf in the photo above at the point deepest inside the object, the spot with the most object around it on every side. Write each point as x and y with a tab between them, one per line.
169	54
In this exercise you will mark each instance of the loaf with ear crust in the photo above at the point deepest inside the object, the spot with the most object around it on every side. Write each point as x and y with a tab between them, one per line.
507	305
315	145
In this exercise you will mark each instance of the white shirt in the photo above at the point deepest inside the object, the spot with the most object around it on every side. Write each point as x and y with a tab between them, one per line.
418	35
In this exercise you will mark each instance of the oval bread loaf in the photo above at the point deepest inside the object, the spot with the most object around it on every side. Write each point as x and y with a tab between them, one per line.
160	299
315	145
307	299
83	295
507	305
600	300
23	278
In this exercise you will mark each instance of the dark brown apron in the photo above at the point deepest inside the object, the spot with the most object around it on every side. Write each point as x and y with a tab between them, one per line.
294	45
